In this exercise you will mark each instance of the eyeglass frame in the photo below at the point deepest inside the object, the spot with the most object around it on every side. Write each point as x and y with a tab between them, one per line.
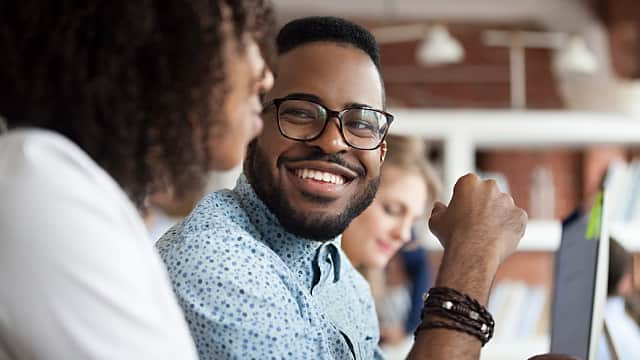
330	114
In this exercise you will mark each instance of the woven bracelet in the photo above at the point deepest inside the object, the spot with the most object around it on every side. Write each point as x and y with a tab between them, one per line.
461	312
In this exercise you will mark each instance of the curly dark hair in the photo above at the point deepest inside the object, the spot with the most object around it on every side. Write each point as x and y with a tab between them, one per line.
137	84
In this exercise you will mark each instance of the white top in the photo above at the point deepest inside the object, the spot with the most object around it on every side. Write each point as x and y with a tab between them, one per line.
79	278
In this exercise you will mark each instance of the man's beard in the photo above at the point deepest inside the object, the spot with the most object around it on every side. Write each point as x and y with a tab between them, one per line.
315	227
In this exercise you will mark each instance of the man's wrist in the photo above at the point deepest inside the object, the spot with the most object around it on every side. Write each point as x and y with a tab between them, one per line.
469	270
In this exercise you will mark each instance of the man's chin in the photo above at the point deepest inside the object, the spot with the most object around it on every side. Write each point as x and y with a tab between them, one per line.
318	200
314	217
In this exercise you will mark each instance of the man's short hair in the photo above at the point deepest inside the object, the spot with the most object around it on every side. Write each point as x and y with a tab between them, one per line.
330	29
312	29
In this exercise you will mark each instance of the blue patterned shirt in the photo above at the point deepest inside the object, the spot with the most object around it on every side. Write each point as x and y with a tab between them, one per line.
250	289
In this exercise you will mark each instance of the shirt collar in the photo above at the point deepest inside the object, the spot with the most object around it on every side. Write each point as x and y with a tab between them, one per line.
314	262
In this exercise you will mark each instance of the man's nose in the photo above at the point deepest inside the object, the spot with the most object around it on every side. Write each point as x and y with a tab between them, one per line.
331	140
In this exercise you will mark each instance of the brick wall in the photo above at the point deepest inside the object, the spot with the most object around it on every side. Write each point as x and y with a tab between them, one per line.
482	81
518	165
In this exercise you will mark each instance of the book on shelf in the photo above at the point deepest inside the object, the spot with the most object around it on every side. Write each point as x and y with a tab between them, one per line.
519	310
622	182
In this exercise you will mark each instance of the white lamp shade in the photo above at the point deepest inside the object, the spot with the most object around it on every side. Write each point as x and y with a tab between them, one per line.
575	57
439	47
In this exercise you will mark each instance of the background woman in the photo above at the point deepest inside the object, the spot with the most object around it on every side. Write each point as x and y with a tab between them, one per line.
408	188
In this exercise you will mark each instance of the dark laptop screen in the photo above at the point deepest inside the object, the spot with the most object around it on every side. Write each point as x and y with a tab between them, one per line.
578	283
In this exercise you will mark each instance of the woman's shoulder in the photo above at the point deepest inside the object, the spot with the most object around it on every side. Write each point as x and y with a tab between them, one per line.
43	172
32	152
42	161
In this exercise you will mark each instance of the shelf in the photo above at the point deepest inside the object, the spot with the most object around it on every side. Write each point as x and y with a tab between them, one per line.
509	349
544	235
463	132
496	349
540	235
627	234
511	128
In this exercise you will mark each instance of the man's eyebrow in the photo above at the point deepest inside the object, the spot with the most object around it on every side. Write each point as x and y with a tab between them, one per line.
317	99
358	105
305	96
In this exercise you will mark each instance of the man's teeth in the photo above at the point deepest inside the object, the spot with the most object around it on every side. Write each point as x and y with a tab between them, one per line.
319	176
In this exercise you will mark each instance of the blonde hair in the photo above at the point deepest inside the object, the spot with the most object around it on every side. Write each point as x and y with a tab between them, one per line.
409	153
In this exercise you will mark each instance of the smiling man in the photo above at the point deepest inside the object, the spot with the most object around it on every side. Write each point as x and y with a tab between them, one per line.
259	271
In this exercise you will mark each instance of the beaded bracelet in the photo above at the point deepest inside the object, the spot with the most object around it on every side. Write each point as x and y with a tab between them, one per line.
461	312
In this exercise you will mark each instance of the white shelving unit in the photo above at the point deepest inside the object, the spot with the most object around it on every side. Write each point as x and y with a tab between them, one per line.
463	132
544	235
502	349
627	234
540	235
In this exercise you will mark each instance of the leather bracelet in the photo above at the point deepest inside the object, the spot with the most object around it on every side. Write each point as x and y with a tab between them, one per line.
432	324
463	299
461	312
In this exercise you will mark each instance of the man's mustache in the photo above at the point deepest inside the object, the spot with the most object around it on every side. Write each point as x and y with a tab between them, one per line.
335	158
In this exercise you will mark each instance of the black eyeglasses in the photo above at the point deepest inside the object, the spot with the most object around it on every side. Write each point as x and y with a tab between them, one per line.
362	128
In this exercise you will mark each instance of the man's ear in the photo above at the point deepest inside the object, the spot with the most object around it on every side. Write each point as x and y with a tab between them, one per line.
383	151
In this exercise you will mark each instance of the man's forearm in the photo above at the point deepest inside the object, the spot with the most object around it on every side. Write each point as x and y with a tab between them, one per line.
472	275
479	228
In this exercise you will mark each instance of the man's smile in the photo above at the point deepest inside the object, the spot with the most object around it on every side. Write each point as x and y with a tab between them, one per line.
320	178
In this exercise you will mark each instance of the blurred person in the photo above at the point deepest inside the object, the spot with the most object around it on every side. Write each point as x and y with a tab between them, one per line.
619	279
258	269
108	102
632	305
624	331
408	187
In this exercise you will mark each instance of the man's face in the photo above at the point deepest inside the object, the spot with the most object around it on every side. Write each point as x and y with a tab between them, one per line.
317	187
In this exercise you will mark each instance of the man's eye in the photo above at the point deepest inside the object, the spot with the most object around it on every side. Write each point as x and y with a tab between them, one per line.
362	128
360	125
301	113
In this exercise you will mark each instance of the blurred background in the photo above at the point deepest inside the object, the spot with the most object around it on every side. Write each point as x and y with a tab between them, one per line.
541	95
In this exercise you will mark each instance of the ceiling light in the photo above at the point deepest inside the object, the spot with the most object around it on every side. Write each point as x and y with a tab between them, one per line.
439	47
575	57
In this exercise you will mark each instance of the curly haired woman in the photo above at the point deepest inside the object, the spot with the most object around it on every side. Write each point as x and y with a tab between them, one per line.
108	102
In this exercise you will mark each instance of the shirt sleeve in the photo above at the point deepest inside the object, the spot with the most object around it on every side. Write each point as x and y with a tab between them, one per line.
236	302
77	280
